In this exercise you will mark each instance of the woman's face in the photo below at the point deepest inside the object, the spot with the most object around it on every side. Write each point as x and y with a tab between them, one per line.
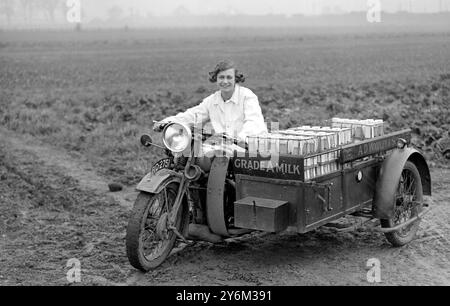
226	80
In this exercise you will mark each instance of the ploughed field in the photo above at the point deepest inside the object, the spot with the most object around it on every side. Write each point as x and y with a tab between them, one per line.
81	101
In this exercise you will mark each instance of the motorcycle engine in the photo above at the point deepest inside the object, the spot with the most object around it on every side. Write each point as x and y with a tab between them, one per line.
180	162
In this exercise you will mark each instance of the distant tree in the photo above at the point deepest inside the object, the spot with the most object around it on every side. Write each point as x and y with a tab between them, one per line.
115	13
181	11
49	7
7	9
27	9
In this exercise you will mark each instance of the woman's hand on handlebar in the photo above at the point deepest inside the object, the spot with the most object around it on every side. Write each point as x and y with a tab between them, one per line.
235	140
158	126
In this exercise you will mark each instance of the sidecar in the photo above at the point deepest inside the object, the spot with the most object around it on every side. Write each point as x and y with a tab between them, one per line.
377	177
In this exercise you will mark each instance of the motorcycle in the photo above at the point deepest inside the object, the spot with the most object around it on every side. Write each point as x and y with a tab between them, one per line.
186	196
206	190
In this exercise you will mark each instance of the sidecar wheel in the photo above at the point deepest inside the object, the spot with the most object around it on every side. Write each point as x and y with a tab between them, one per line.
409	194
148	241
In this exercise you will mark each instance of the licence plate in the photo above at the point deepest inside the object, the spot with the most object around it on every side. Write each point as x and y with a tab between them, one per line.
162	164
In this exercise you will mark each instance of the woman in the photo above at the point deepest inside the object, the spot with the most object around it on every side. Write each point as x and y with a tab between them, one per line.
233	110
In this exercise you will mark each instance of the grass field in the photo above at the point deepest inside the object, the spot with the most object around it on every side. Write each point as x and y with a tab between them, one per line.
73	105
93	93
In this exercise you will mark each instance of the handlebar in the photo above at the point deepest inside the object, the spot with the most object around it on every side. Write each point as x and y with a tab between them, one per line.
161	126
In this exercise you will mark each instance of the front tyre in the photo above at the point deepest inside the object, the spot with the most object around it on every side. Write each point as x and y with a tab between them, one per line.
408	204
148	239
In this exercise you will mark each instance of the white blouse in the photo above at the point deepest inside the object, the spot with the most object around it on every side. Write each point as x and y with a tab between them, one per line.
241	116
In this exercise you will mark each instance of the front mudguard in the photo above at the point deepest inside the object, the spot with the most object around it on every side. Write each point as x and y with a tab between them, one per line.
389	176
154	183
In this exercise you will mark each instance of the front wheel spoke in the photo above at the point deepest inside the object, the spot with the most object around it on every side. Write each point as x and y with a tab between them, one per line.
156	207
150	228
151	241
149	231
155	250
148	239
147	242
159	210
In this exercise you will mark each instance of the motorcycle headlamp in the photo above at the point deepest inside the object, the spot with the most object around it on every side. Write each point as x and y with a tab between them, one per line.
177	137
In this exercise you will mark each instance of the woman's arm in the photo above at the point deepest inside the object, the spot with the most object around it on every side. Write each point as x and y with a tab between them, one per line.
253	118
196	114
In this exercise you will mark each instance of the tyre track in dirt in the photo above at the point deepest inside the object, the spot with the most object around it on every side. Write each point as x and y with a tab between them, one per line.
320	257
80	170
54	208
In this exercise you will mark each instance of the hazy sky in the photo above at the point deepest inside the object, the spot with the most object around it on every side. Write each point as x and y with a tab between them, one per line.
166	7
99	8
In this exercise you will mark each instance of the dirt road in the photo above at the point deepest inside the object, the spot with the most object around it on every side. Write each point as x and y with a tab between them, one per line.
54	207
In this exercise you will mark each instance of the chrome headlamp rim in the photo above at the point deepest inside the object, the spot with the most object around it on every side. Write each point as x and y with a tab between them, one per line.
401	143
188	133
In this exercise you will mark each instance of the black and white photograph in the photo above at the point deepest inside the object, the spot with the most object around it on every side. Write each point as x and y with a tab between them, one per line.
224	148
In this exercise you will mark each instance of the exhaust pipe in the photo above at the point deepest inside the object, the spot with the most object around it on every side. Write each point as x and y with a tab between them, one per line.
193	173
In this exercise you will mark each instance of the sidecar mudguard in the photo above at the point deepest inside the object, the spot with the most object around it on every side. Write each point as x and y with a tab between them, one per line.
389	176
154	183
215	213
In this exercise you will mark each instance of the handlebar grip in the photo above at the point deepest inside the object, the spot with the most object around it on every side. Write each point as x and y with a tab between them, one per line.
159	126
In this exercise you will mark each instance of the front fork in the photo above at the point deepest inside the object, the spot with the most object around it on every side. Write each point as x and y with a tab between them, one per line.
187	177
172	219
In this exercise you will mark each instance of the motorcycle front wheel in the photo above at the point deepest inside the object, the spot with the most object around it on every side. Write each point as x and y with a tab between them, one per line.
149	240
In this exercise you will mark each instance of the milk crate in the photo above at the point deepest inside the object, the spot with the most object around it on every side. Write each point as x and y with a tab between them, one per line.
325	141
283	144
361	129
343	135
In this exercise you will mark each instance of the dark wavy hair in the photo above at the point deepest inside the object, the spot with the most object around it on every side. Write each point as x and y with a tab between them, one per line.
225	65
